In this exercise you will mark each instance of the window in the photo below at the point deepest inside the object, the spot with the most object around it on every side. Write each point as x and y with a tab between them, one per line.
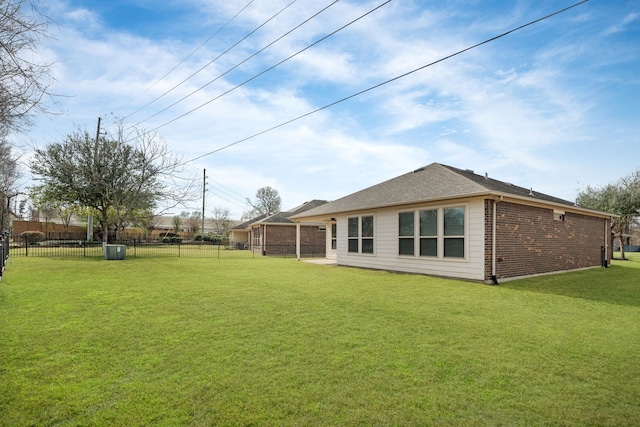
360	234
429	232
256	236
406	232
353	235
454	233
367	234
432	232
334	233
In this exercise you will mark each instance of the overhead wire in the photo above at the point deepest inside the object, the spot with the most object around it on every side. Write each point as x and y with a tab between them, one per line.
228	200
191	54
229	192
240	63
210	62
272	67
376	86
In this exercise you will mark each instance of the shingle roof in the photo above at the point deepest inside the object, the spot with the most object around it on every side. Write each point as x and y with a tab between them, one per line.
246	224
430	183
281	217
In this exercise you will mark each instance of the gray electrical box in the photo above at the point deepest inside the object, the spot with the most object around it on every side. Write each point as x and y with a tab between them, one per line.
115	251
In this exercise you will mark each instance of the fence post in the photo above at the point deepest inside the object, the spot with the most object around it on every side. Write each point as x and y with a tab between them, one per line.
3	254
26	246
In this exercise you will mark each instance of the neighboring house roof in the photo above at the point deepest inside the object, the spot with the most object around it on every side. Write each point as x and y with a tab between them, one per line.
246	224
282	217
430	183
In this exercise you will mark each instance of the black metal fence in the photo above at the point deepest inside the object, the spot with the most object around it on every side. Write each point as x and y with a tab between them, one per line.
4	251
141	249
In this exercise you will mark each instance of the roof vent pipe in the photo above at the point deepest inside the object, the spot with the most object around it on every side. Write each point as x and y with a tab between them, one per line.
531	191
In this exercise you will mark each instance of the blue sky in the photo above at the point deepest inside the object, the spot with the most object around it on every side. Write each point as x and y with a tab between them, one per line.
554	106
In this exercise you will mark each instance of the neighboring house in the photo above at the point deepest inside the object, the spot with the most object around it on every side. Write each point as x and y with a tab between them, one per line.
443	221
239	235
277	234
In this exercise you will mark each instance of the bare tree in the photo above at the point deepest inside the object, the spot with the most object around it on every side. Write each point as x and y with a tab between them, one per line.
9	176
176	222
50	207
24	83
267	202
192	221
221	220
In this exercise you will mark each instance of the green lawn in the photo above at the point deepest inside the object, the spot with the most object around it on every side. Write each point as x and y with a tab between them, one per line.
206	342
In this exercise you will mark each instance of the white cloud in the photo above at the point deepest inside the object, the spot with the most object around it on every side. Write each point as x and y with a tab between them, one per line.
619	27
516	108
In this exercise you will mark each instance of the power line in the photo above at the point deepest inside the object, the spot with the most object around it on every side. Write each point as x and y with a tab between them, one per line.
238	64
272	67
382	83
230	192
209	63
191	54
230	201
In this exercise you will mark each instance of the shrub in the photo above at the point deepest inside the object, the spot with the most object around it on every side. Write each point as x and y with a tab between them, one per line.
33	236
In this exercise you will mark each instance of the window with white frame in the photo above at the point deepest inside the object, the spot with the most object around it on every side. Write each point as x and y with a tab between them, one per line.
360	234
432	232
334	234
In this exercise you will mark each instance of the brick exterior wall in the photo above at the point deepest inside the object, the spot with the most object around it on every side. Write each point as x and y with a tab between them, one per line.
281	240
530	241
488	237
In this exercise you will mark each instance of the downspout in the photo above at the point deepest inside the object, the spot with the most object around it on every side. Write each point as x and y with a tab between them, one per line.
264	241
607	234
494	277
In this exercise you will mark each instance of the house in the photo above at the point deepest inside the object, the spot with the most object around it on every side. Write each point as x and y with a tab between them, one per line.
277	234
443	221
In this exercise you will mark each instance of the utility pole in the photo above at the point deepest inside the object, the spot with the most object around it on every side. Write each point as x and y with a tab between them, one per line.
204	189
90	216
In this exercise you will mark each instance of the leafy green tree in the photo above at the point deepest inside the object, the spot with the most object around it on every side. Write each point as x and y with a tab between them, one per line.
621	198
111	176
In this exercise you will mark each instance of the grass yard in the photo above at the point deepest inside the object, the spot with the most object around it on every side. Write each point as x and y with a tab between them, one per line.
204	342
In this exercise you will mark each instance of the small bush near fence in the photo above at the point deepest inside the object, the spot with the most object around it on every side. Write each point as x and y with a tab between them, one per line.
33	237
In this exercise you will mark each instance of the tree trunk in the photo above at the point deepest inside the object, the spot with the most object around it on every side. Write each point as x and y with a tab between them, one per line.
105	226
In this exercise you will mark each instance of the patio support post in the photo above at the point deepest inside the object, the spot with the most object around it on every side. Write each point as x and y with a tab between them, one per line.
298	240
